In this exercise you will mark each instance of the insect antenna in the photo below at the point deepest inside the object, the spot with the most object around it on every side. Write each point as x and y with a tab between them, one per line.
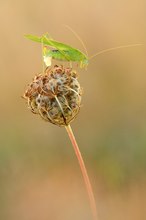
114	48
78	37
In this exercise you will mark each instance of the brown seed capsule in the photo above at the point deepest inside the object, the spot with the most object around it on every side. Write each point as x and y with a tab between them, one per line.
55	95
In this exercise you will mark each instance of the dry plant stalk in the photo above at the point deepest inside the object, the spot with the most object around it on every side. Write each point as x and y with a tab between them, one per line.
56	96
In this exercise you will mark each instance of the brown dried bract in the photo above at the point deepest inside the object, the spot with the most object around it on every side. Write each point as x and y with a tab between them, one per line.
55	95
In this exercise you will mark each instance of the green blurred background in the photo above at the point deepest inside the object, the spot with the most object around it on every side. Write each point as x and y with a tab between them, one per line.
39	175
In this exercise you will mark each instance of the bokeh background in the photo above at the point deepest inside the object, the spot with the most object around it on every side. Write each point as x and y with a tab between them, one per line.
39	173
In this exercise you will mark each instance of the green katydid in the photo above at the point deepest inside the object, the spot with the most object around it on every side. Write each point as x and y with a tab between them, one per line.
64	52
60	51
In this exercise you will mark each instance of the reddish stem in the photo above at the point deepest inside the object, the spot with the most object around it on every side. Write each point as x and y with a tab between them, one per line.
84	171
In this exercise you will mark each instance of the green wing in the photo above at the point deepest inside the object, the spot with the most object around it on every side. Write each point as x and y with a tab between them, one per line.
49	42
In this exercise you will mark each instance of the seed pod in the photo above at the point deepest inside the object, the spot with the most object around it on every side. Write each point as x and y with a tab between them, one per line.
55	95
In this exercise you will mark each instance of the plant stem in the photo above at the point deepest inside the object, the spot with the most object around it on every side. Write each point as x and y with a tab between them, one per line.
84	171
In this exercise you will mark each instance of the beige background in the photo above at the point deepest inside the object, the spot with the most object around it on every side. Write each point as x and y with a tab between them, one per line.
39	174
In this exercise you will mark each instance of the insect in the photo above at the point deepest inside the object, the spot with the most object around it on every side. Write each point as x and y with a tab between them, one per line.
63	52
60	51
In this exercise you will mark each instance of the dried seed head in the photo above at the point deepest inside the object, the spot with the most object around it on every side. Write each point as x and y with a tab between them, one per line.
55	95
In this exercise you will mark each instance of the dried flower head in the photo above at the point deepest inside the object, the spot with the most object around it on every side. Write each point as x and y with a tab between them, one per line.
55	95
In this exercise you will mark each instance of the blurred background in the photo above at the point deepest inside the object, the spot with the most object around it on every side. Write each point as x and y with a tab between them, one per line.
39	174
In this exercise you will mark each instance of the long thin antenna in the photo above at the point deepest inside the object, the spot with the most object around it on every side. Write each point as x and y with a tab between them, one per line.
114	48
78	37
